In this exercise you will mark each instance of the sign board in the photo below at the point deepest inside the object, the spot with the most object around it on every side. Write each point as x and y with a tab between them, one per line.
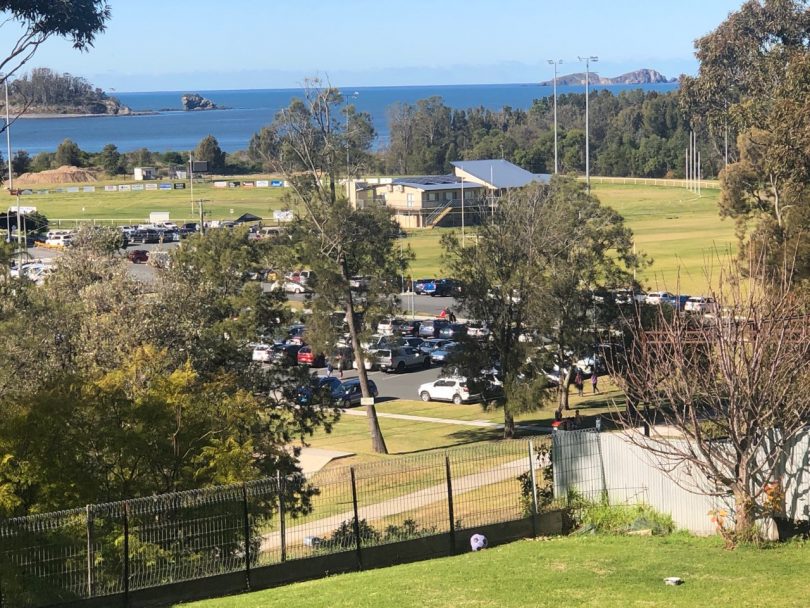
165	186
199	166
158	217
151	186
88	188
110	188
124	188
283	216
23	210
262	183
179	185
220	184
277	183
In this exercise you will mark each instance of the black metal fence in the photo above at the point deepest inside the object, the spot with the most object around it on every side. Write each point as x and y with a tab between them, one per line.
119	548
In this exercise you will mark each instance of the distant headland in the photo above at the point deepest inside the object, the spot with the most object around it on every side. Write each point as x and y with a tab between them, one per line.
643	76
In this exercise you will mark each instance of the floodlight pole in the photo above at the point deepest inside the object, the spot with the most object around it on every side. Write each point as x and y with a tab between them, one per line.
354	95
554	63
11	175
587	61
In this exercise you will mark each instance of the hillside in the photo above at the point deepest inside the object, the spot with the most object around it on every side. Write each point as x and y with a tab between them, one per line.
44	91
643	76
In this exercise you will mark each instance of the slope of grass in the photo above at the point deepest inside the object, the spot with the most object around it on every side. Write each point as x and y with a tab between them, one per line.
574	571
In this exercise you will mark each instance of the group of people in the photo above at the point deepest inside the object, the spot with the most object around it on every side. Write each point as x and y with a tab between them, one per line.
579	382
448	314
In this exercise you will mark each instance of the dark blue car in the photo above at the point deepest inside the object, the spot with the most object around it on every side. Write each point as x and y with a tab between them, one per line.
320	385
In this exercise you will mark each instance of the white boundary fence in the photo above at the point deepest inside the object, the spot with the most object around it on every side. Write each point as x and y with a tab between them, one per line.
598	465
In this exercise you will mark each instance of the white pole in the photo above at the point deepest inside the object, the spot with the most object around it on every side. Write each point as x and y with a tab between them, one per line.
463	234
698	173
686	168
555	62
694	161
8	140
588	60
191	181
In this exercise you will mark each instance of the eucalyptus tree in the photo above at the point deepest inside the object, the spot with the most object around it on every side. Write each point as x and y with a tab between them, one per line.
530	275
308	143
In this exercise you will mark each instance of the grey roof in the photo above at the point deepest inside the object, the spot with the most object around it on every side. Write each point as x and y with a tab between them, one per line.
499	173
434	182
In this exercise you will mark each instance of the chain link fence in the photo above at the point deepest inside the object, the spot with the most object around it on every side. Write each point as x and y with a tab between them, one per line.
118	548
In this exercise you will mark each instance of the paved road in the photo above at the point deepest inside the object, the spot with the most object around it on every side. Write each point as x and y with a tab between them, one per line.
397	386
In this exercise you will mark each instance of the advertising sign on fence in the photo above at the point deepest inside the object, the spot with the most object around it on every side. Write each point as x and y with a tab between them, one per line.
262	183
277	183
164	186
110	188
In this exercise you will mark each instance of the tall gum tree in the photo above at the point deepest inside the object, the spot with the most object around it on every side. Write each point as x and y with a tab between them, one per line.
311	144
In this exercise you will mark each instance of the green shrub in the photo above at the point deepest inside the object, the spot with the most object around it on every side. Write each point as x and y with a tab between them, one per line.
603	518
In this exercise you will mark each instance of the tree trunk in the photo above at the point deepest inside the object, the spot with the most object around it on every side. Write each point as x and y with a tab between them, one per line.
508	423
743	516
377	439
565	386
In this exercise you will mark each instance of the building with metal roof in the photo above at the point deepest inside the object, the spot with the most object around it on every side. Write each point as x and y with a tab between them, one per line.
496	174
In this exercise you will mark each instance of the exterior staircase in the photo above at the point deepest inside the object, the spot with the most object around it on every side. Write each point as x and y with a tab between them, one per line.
437	215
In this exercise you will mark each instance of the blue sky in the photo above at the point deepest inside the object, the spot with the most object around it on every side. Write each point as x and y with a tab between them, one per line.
210	44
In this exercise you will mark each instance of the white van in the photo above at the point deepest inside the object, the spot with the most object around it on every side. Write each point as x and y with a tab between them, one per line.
60	238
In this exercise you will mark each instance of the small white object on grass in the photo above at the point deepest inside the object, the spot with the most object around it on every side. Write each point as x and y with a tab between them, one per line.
478	542
673	580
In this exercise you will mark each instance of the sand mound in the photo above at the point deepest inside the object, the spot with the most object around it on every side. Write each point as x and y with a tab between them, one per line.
62	175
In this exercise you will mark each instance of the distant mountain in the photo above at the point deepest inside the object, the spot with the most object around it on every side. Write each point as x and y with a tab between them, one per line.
643	76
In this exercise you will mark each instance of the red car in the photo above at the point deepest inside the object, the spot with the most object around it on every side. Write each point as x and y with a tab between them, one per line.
138	256
307	357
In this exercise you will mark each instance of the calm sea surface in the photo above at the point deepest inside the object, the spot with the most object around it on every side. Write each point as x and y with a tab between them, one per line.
249	111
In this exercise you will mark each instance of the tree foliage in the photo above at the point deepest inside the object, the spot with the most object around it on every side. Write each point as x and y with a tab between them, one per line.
754	78
531	272
68	153
132	390
208	150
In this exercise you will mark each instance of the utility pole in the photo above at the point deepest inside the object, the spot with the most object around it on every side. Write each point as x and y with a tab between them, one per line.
587	61
354	95
554	63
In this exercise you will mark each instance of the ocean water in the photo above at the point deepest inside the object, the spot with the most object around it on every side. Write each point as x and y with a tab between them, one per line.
249	110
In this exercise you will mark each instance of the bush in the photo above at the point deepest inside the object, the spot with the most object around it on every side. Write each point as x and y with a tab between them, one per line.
603	518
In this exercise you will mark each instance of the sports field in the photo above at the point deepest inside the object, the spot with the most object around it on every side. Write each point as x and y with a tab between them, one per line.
678	230
603	571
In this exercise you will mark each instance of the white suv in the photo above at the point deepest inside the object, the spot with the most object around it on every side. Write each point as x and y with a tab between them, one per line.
447	389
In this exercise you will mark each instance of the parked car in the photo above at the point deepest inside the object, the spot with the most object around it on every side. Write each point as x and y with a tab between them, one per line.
410	327
144	237
447	389
306	356
262	353
478	330
431	327
443	354
286	353
413	341
628	296
348	393
319	386
441	288
660	297
58	239
428	346
400	359
700	304
138	256
419	285
359	283
390	326
453	331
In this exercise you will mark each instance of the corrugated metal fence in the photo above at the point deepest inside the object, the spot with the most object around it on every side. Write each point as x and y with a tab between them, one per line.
598	465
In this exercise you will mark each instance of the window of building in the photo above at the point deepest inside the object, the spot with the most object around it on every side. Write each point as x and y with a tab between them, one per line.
409	199
448	196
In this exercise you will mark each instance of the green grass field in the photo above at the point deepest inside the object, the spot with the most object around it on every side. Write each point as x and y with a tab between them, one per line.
678	230
592	571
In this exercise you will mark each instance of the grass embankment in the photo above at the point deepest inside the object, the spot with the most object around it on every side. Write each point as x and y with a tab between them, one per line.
594	571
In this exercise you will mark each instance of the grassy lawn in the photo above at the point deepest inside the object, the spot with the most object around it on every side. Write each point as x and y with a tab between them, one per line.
575	571
677	229
126	207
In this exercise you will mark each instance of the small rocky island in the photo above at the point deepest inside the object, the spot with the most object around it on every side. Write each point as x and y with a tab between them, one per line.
643	76
195	101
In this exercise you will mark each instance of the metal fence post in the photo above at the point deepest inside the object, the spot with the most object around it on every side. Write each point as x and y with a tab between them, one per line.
533	480
450	512
282	514
91	591
126	554
357	542
246	516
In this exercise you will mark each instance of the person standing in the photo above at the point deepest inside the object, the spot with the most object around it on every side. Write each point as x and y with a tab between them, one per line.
594	382
579	382
329	368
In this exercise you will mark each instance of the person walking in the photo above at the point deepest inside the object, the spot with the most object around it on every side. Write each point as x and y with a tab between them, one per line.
594	382
579	382
329	368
